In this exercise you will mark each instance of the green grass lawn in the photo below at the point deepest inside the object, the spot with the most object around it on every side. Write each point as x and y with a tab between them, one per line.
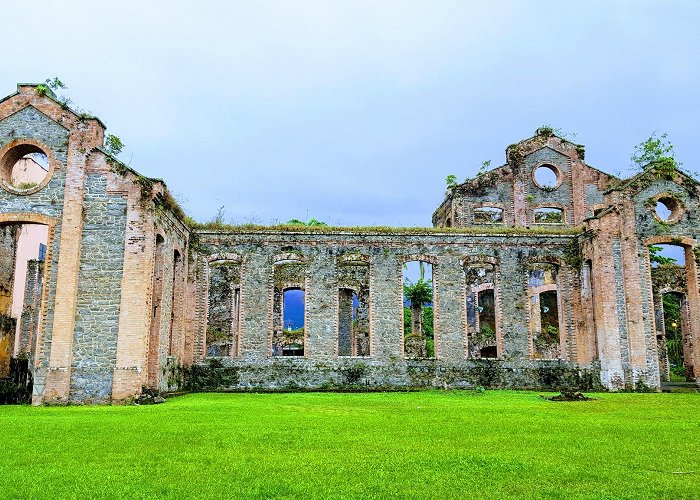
310	445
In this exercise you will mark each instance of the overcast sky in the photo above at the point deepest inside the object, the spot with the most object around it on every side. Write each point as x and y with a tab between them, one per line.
354	112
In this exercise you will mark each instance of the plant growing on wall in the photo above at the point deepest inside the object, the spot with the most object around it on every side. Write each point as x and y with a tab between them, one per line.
656	152
113	145
311	222
485	336
547	338
49	85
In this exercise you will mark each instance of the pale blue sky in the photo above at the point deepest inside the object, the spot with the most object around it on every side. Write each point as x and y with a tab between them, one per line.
354	112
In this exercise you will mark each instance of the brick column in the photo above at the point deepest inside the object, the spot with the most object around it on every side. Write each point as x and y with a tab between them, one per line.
515	306
639	327
608	302
321	298
693	297
134	308
386	305
58	376
450	309
256	306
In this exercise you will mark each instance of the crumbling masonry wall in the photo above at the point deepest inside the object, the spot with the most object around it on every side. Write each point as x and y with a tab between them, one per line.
130	293
325	257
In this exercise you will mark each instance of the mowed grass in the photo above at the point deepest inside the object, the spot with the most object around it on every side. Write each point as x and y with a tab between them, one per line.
436	444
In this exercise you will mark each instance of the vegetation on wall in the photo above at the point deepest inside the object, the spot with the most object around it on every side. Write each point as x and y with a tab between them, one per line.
113	145
311	222
49	86
656	152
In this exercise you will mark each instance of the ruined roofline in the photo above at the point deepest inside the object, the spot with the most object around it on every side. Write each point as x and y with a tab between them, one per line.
522	143
650	169
162	197
223	229
51	95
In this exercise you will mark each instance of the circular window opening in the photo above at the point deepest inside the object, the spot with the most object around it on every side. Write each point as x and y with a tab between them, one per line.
668	209
25	168
546	177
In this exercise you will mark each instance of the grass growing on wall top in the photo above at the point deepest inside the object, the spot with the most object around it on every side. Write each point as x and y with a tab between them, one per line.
448	444
293	228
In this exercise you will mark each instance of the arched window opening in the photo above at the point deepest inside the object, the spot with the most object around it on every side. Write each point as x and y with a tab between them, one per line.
663	255
174	331
353	324
588	302
353	306
419	336
549	215
156	301
23	248
669	276
223	322
24	168
488	215
674	341
481	312
544	311
293	319
289	309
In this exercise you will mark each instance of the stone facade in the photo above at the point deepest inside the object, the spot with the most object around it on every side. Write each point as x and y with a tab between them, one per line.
533	285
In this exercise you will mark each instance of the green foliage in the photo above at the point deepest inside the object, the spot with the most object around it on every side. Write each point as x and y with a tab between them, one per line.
451	180
656	258
113	145
483	168
7	323
311	223
545	130
168	202
294	335
420	292
674	334
219	218
12	393
429	348
548	131
545	217
656	152
55	84
42	89
485	336
26	185
572	255
547	338
48	87
428	320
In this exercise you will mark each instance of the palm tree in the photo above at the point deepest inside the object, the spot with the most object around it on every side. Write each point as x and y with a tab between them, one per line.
418	294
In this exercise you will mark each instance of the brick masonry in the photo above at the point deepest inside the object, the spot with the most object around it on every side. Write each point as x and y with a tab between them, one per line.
129	293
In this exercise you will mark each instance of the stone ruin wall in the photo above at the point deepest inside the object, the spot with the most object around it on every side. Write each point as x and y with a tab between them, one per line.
323	257
129	293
